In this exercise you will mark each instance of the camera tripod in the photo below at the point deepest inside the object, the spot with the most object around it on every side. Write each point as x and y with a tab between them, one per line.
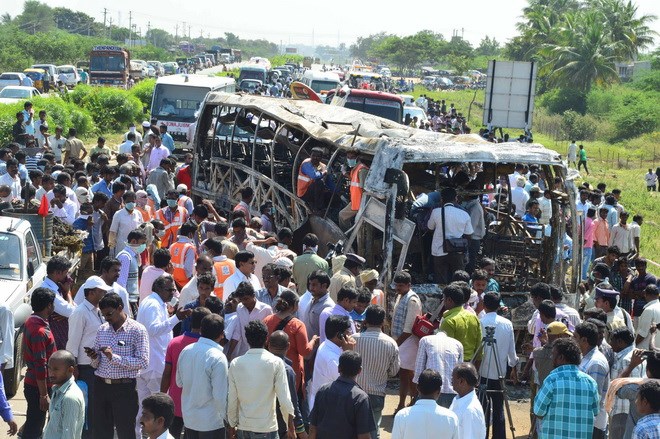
490	341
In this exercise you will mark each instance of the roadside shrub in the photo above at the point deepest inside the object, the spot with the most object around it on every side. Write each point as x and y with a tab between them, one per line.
559	100
636	118
144	91
60	113
112	109
577	126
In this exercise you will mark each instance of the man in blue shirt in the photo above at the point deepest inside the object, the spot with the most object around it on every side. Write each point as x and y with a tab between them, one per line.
568	399
105	184
359	313
166	138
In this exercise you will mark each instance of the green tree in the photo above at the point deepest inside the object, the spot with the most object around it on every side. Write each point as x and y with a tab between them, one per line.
36	17
76	22
586	56
159	38
488	47
364	45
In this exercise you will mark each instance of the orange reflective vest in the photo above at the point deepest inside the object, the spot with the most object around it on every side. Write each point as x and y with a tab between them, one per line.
356	188
171	228
146	212
304	181
222	269
378	297
178	251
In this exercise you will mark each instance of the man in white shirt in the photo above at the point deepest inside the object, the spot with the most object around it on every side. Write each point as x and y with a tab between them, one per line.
202	373
56	143
154	316
506	354
61	206
84	323
518	172
650	316
327	356
127	146
621	235
256	379
571	155
457	224
346	301
158	153
124	221
248	310
57	280
466	406
157	416
12	179
245	264
520	197
110	268
426	419
440	353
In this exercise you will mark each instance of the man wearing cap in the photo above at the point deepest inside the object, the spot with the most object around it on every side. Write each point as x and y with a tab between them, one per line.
84	323
346	277
606	299
369	280
184	200
132	130
308	262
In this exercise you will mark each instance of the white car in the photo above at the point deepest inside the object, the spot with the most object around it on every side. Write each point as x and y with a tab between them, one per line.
15	93
415	111
68	75
11	78
158	67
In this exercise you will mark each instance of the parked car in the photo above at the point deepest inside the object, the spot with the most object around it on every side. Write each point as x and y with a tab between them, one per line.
51	68
139	68
158	67
170	68
68	74
16	93
413	111
11	78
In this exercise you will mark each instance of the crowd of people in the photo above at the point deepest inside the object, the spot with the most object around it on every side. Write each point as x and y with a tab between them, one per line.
189	321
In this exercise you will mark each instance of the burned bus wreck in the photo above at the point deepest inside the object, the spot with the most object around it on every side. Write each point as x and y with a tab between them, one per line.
261	142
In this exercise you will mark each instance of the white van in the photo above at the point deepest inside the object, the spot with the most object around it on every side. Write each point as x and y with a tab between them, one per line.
321	82
68	75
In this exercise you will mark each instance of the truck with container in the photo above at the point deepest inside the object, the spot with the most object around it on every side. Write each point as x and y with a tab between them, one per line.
109	66
27	242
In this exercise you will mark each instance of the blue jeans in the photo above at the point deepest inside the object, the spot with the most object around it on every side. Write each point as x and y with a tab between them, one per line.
240	434
377	404
587	253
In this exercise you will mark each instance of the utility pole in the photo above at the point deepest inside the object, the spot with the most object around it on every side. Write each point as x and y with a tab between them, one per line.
176	32
189	28
105	13
110	28
183	31
130	28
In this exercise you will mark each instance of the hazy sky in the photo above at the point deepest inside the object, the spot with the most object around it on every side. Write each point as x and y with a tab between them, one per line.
318	22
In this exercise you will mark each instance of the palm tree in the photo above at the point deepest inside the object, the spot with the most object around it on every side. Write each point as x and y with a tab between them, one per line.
624	26
586	55
5	18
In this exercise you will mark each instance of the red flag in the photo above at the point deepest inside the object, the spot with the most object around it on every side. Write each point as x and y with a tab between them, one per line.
44	207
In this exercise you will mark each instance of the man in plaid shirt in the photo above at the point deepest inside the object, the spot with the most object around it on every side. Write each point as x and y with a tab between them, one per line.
568	400
120	351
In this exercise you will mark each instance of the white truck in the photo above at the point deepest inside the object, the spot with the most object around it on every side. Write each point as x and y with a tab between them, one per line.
22	270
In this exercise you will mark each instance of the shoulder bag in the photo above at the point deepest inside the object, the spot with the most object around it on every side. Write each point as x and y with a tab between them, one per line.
452	245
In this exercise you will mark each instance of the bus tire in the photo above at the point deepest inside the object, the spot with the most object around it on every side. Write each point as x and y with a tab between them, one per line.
12	377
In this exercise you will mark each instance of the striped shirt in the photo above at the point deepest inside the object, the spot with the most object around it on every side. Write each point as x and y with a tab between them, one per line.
130	350
38	346
380	360
621	362
596	366
567	402
66	414
441	353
